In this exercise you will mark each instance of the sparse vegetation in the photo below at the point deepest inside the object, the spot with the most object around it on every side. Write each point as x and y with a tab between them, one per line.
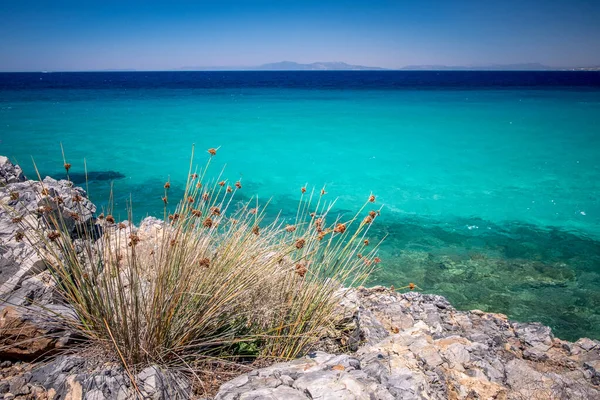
214	280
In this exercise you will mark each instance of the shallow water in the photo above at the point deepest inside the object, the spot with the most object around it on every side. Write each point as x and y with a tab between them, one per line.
490	181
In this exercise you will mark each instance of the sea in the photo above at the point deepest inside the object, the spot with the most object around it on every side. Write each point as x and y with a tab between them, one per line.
489	180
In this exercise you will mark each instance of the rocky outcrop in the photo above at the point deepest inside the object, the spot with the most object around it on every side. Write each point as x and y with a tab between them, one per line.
35	324
79	377
30	206
10	173
384	345
417	346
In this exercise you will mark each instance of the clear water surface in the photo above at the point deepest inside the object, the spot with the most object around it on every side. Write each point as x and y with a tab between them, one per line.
490	180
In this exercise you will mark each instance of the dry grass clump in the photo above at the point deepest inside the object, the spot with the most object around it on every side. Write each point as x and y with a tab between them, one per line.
214	280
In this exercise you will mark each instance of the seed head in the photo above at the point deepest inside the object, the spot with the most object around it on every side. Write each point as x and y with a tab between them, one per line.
58	200
412	286
303	190
372	198
173	242
215	211
53	235
165	199
74	215
207	222
44	209
300	243
19	236
110	219
290	228
322	235
238	185
134	239
340	228
205	196
204	262
359	255
377	260
323	192
194	176
198	185
77	198
168	185
190	199
121	226
16	220
319	224
372	214
222	183
45	192
229	189
14	195
366	242
196	213
301	269
253	211
256	230
101	216
212	151
368	219
67	167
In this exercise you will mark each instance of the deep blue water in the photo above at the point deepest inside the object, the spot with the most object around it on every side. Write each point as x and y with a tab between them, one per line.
490	180
314	80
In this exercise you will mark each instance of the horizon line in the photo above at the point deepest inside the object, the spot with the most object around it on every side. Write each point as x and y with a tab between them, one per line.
458	69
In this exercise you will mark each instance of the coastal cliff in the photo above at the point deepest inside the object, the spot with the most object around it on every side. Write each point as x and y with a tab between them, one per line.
385	345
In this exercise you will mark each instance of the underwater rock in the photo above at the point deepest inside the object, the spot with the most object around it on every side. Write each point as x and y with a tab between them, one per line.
81	178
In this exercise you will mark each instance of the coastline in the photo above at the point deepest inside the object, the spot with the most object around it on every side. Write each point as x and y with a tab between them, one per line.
396	345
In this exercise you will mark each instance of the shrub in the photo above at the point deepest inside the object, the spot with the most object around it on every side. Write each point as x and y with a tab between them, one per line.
214	279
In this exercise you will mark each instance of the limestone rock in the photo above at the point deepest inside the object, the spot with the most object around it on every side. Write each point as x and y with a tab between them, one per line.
29	332
9	173
418	346
26	212
77	377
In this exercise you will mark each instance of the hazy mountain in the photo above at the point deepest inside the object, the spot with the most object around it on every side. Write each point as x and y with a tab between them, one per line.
316	66
490	67
290	66
342	66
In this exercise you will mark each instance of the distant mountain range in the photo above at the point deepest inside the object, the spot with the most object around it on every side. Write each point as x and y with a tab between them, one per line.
292	66
342	66
316	66
490	67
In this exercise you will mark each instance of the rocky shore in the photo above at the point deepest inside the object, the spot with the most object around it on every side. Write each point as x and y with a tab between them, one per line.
396	345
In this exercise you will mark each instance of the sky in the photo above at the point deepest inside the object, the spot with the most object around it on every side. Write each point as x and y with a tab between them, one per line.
84	35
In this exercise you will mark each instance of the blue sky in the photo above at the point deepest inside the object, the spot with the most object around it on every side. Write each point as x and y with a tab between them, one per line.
152	35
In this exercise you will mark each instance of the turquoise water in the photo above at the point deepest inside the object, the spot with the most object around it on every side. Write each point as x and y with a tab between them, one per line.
491	195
